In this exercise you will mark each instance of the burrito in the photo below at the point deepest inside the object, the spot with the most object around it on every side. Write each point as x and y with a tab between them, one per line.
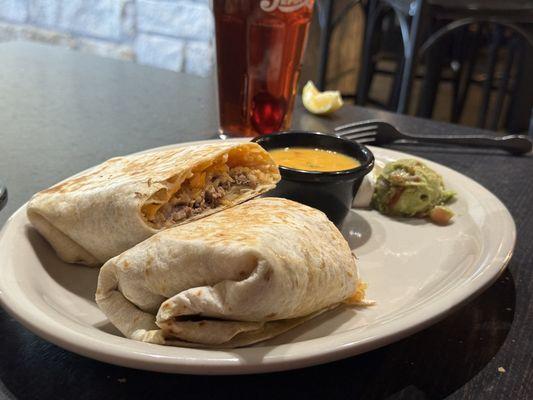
232	279
99	214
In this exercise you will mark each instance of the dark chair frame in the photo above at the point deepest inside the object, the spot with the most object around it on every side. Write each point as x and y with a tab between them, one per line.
413	17
328	22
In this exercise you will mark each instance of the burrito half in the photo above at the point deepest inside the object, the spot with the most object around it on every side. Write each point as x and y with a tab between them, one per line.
232	279
97	215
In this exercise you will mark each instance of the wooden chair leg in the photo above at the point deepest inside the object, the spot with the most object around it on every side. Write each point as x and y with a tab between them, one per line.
519	115
365	75
435	59
530	130
326	8
503	85
487	85
465	75
394	94
410	56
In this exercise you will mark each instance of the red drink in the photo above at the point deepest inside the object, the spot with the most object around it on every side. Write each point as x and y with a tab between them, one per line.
260	46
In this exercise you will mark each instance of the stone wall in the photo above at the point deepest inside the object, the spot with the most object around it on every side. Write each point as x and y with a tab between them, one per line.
170	34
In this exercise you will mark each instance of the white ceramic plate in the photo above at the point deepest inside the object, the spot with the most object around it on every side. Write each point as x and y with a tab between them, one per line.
417	272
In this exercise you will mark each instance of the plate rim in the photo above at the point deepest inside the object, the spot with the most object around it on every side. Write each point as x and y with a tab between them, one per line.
114	353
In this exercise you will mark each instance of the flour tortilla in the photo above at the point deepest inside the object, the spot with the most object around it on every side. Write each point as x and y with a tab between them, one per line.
232	279
99	214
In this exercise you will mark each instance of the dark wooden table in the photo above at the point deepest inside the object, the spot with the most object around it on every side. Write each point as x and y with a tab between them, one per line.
61	112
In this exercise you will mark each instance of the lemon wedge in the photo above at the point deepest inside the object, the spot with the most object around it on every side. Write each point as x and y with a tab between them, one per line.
321	103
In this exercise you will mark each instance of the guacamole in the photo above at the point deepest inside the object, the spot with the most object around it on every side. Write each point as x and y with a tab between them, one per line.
409	188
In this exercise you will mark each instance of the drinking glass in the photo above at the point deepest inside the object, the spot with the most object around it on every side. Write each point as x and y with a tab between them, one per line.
260	46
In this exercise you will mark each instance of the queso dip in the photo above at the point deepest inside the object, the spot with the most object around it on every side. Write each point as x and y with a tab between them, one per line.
309	159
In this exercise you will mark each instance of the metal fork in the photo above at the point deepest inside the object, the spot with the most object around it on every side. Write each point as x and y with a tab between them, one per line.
3	195
379	133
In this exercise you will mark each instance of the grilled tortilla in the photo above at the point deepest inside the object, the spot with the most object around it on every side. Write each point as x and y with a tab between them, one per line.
232	279
97	215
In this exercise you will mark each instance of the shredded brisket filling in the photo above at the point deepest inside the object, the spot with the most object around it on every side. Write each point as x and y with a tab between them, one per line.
194	196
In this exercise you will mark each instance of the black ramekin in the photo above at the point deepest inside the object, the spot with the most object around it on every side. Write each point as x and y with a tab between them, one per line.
331	192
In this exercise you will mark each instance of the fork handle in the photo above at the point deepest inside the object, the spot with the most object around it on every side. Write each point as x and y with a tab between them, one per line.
3	195
516	144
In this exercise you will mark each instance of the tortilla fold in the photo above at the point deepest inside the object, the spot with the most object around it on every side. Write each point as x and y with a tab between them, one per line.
99	214
232	279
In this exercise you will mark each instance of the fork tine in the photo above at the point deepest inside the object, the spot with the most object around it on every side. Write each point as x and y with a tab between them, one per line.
360	124
356	135
346	131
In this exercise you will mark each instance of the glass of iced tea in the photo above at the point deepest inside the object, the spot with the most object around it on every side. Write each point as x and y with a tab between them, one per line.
260	46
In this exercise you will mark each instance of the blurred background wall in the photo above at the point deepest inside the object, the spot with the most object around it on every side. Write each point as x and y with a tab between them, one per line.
485	59
169	34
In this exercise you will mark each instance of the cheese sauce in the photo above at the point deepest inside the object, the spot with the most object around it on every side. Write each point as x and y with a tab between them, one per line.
309	159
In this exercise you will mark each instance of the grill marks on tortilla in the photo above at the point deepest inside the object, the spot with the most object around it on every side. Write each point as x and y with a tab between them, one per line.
208	186
83	181
155	166
97	214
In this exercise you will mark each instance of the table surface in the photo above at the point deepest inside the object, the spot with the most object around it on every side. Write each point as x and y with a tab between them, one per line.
63	111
